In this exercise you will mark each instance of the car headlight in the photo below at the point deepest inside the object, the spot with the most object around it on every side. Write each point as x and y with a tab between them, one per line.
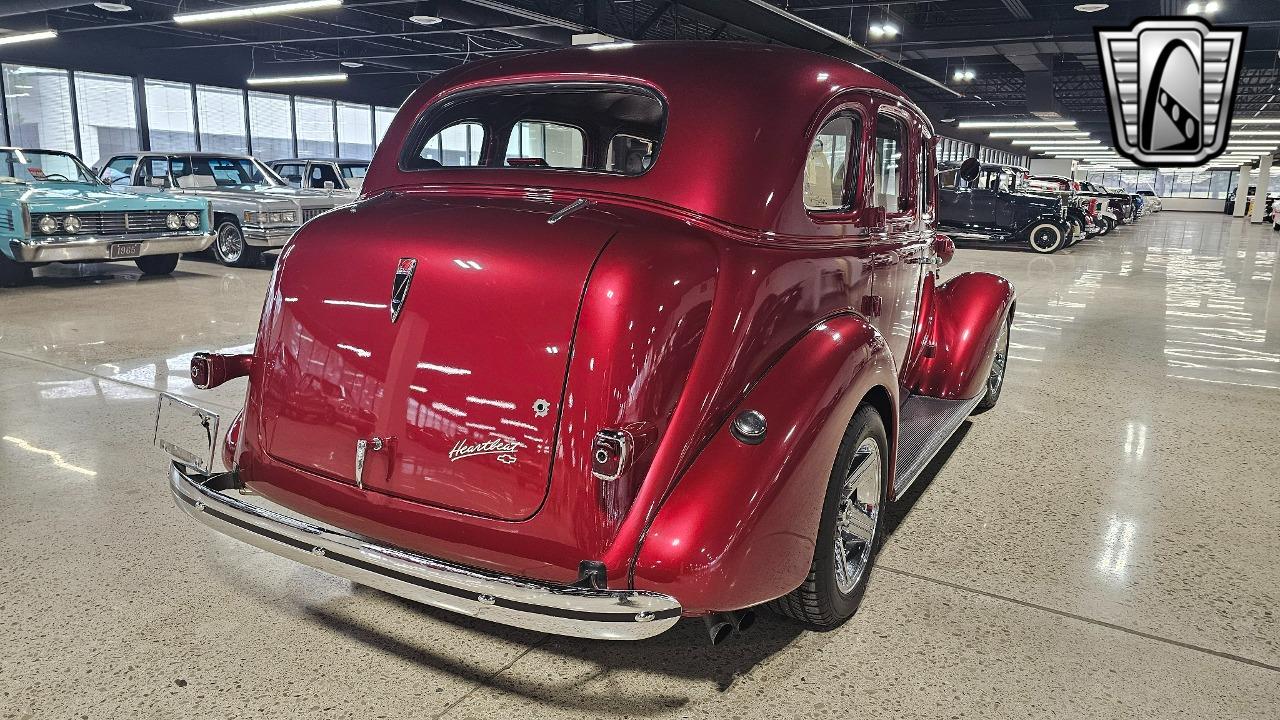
275	217
174	221
251	217
71	224
191	220
288	216
48	225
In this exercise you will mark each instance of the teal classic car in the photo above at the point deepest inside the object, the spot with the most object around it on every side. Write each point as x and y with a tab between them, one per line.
54	209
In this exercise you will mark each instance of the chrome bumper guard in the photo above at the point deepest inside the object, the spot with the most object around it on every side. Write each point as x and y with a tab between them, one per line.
98	249
269	237
557	609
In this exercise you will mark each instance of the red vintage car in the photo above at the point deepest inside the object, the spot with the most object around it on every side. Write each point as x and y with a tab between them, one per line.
614	335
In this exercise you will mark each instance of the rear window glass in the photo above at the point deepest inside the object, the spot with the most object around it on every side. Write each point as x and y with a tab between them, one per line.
606	128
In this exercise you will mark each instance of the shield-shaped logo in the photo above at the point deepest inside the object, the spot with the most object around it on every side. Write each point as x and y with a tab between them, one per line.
1170	88
400	285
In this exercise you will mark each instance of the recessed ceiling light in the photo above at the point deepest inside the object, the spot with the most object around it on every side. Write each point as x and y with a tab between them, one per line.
113	6
425	19
351	64
1092	7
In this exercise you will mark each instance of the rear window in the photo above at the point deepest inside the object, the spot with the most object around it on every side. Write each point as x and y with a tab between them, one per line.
607	128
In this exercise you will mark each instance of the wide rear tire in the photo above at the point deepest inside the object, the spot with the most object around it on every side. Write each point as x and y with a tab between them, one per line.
13	273
851	529
157	264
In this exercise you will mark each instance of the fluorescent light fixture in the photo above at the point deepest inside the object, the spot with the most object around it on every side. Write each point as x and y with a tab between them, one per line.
28	37
1058	134
1015	123
323	77
256	11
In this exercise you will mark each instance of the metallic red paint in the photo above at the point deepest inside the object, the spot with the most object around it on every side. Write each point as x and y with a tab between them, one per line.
676	298
739	528
958	333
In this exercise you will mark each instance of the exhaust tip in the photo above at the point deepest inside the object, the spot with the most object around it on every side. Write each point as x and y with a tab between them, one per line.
718	628
744	620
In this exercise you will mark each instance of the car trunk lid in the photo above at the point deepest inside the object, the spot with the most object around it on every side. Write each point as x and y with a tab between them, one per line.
457	400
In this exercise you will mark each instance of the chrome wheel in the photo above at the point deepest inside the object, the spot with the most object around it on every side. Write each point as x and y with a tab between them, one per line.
996	378
230	243
857	516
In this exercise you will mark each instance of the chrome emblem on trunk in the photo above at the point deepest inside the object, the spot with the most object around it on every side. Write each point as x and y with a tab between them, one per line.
1170	87
400	285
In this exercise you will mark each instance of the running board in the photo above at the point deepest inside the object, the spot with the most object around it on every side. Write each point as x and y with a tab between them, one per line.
925	424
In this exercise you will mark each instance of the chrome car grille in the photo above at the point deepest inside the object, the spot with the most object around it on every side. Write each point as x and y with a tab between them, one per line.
115	223
6	221
309	213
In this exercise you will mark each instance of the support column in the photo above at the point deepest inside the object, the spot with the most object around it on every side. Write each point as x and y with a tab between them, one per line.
1264	184
1242	191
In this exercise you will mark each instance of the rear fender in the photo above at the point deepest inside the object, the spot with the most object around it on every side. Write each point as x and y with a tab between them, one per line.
739	527
960	321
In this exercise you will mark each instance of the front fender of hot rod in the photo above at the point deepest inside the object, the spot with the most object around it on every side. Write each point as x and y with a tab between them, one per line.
738	528
956	336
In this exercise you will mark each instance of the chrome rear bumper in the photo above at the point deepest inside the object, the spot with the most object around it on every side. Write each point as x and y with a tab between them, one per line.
98	249
558	609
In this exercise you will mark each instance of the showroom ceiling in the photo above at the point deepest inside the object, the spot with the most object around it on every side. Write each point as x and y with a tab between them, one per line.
959	58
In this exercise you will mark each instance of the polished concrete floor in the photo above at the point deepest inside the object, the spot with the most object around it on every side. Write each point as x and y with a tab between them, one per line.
1104	544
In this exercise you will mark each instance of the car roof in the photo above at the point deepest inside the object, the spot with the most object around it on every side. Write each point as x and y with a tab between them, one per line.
715	122
353	161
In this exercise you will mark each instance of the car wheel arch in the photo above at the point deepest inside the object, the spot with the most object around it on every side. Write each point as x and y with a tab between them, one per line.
777	490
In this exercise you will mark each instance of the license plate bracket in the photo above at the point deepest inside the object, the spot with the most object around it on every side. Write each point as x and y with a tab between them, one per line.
122	250
186	432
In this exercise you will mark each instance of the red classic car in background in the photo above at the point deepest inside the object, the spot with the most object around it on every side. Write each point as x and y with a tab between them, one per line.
607	341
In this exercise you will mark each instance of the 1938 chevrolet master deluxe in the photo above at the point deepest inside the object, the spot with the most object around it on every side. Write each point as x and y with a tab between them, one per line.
647	346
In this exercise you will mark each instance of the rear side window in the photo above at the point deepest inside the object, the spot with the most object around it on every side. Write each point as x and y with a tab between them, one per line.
597	127
826	167
556	145
889	167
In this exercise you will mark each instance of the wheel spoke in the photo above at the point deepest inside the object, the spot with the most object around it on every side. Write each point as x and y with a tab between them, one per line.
857	516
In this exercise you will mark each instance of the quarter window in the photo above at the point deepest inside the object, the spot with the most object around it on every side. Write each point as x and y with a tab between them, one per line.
889	169
458	145
826	167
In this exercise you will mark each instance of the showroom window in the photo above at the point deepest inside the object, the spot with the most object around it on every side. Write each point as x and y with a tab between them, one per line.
561	146
39	104
271	125
107	126
382	117
355	131
221	115
458	145
826	168
888	173
313	120
170	115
